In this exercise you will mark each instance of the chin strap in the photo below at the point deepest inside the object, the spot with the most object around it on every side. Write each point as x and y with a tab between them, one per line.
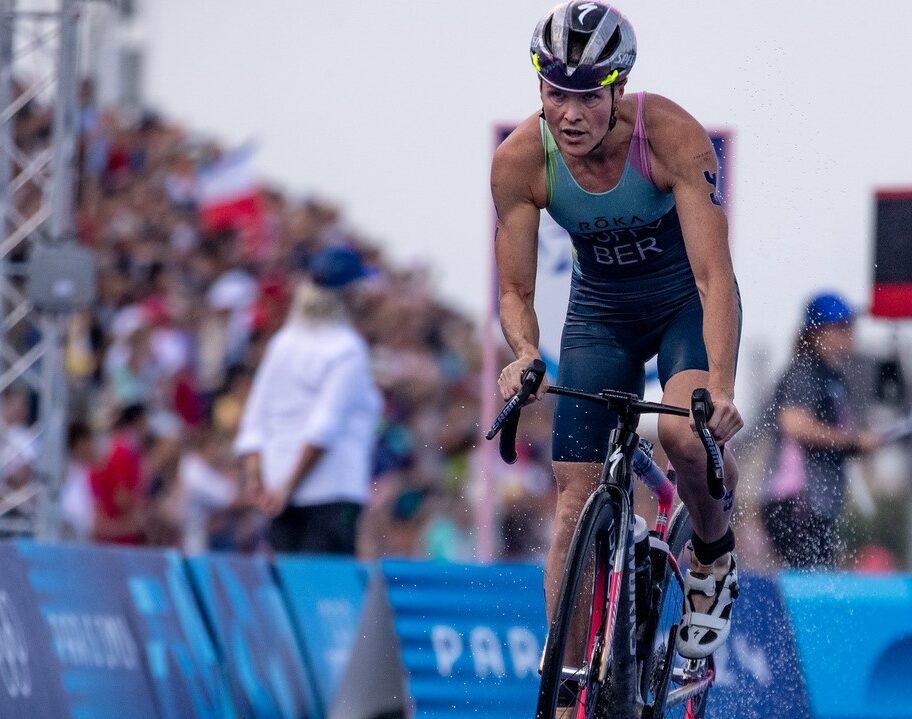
613	120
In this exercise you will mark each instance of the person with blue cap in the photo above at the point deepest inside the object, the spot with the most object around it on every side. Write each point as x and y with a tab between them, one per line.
308	429
816	432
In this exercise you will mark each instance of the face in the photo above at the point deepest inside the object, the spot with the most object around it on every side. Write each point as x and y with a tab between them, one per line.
835	342
578	121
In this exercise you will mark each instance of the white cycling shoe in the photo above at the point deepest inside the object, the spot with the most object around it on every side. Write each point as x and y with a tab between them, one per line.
701	633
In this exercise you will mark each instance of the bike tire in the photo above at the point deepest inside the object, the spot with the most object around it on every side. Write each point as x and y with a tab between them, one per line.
657	668
594	539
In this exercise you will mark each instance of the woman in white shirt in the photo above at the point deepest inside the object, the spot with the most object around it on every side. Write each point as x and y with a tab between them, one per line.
308	430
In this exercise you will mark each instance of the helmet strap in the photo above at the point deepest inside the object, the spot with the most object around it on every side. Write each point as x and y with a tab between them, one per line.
612	121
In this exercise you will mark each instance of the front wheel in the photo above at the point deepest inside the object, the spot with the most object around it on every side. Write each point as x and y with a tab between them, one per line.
674	688
572	660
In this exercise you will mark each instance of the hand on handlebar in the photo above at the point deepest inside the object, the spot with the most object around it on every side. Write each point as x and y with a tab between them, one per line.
510	380
725	421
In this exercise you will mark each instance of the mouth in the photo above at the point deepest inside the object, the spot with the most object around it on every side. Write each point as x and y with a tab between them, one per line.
573	135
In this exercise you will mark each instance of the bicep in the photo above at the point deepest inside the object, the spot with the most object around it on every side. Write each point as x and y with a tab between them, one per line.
516	241
703	221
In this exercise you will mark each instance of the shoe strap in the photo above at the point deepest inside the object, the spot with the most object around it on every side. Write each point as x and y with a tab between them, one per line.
704	585
706	621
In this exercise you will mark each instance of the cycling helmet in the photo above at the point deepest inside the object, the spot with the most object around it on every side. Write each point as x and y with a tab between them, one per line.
583	46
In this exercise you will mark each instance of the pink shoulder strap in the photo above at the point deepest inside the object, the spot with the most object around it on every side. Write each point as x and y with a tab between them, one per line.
639	143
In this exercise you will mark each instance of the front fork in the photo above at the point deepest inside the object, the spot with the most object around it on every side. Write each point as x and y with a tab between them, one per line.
622	554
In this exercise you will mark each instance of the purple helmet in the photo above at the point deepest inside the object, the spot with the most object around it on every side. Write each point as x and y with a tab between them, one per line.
583	46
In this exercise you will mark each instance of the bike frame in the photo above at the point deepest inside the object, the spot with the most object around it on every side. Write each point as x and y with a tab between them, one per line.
615	482
616	479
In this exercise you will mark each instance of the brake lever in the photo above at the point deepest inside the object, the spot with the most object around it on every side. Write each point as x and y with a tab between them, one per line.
702	408
507	421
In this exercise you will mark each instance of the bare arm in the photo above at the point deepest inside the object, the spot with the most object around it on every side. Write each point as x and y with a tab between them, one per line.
687	163
307	460
800	424
516	251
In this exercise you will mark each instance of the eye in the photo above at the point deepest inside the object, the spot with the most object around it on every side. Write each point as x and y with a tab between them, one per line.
556	96
590	98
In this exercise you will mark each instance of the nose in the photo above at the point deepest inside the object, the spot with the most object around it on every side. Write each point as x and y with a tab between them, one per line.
573	111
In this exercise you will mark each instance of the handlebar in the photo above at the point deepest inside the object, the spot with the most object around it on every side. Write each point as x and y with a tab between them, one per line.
625	404
508	420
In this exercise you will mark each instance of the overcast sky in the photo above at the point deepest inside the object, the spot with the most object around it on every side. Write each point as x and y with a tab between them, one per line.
389	108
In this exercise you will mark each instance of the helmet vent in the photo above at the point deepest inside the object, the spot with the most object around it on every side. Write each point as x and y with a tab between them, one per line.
546	35
576	45
612	45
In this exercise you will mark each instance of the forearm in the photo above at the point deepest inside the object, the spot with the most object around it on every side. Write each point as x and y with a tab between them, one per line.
810	432
519	323
721	317
310	455
253	479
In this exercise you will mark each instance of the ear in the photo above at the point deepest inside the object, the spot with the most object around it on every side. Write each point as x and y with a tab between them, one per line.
619	89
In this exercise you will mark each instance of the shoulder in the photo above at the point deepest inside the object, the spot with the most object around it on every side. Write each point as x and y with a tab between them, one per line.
522	148
676	138
519	160
667	123
343	341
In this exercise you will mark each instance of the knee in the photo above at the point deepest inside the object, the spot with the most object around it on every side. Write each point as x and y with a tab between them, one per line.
573	489
684	450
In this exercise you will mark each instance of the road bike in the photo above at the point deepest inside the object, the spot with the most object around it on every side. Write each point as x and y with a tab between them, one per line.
628	593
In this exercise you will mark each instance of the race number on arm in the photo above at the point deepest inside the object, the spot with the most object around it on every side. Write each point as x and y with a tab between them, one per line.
685	163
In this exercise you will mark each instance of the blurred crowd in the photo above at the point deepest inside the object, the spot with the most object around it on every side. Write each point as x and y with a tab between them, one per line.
160	368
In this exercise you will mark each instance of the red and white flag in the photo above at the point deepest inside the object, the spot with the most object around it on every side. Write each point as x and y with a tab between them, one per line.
228	192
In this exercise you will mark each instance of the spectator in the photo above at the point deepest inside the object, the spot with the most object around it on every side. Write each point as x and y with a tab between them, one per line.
77	508
816	433
307	431
118	484
211	491
18	455
184	315
18	451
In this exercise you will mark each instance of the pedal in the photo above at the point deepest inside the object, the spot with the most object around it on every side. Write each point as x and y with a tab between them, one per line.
692	671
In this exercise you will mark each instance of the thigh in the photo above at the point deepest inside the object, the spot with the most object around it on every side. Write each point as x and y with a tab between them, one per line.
781	528
330	528
286	530
593	357
827	545
681	344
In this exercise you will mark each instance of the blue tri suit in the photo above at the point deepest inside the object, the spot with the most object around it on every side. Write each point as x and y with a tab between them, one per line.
632	294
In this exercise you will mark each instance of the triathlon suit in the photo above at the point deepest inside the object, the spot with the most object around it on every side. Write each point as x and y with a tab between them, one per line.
632	295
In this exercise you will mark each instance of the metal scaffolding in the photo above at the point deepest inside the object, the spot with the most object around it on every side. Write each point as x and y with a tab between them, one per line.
38	136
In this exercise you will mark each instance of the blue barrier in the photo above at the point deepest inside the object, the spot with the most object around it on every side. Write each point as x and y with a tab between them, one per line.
447	640
98	633
758	673
83	600
855	639
127	632
30	675
254	635
471	636
325	596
